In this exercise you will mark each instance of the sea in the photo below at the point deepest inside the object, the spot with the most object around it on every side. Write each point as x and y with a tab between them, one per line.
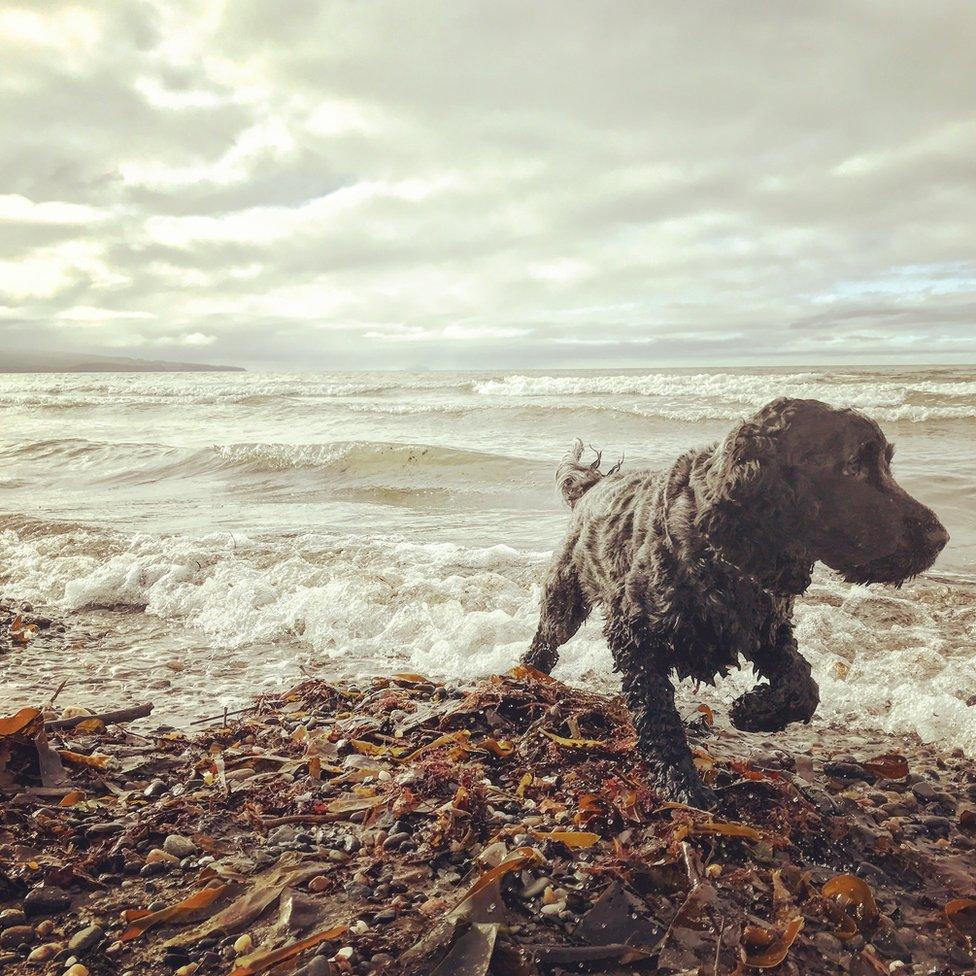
209	536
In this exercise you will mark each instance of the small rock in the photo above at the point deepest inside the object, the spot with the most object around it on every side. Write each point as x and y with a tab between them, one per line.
924	790
553	909
84	939
16	935
10	917
44	928
46	901
243	945
319	966
155	789
76	711
77	970
179	846
44	952
103	829
848	771
318	884
157	855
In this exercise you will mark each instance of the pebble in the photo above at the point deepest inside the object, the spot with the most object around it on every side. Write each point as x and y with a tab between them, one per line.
46	901
10	917
319	966
85	938
188	970
103	829
553	909
243	945
157	855
395	841
536	887
179	846
16	935
923	790
318	884
44	952
77	970
44	928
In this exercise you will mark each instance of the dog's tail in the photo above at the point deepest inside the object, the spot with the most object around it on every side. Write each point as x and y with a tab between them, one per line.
576	479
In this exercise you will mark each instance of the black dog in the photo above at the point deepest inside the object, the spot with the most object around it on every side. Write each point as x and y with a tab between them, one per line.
699	566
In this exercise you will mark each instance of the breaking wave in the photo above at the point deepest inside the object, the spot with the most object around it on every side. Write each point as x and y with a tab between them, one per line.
897	660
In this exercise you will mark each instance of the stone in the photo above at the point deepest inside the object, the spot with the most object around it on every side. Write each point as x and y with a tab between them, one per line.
179	846
157	856
318	966
10	917
243	945
44	952
46	901
85	938
103	829
16	935
76	970
924	791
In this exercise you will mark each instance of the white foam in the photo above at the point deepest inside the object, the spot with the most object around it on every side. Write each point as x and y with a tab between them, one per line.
893	660
706	396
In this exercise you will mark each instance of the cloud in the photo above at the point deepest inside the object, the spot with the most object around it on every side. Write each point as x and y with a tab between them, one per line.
385	184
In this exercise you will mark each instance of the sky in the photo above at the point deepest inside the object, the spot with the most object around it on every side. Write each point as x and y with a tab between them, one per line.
354	184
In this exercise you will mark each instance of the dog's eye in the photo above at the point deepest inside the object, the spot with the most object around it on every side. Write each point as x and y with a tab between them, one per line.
866	456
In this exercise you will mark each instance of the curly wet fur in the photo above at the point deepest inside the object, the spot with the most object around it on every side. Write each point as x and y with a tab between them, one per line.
700	566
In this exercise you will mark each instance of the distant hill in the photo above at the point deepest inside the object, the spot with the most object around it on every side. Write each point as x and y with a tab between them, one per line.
62	362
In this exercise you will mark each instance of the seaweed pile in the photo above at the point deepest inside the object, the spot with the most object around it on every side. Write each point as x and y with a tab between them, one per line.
506	828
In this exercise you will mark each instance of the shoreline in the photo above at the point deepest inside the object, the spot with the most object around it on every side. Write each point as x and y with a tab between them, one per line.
382	806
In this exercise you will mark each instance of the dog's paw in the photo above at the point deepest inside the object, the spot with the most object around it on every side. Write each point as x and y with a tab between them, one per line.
763	711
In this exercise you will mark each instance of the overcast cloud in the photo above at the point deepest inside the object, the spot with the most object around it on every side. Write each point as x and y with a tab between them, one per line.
348	184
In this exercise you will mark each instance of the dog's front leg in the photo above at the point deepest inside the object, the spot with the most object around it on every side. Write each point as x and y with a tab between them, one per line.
660	734
791	694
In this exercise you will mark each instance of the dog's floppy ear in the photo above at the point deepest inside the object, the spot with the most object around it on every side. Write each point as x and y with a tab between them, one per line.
748	508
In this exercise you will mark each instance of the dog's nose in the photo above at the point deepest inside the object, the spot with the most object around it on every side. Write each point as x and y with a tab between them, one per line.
936	536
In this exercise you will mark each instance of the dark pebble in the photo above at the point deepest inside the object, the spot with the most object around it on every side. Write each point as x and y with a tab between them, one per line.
151	870
16	935
46	901
848	770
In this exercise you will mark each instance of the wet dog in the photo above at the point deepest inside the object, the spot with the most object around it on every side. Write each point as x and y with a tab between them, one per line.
699	566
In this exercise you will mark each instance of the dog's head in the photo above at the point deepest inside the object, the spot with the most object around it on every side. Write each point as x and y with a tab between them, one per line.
802	481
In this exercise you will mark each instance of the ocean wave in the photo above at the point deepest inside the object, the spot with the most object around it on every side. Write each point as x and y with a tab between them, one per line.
713	396
897	660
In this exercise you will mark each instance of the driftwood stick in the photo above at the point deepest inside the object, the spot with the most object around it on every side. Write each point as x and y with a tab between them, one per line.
109	718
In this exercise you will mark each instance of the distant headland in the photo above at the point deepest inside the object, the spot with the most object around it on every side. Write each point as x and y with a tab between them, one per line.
82	363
